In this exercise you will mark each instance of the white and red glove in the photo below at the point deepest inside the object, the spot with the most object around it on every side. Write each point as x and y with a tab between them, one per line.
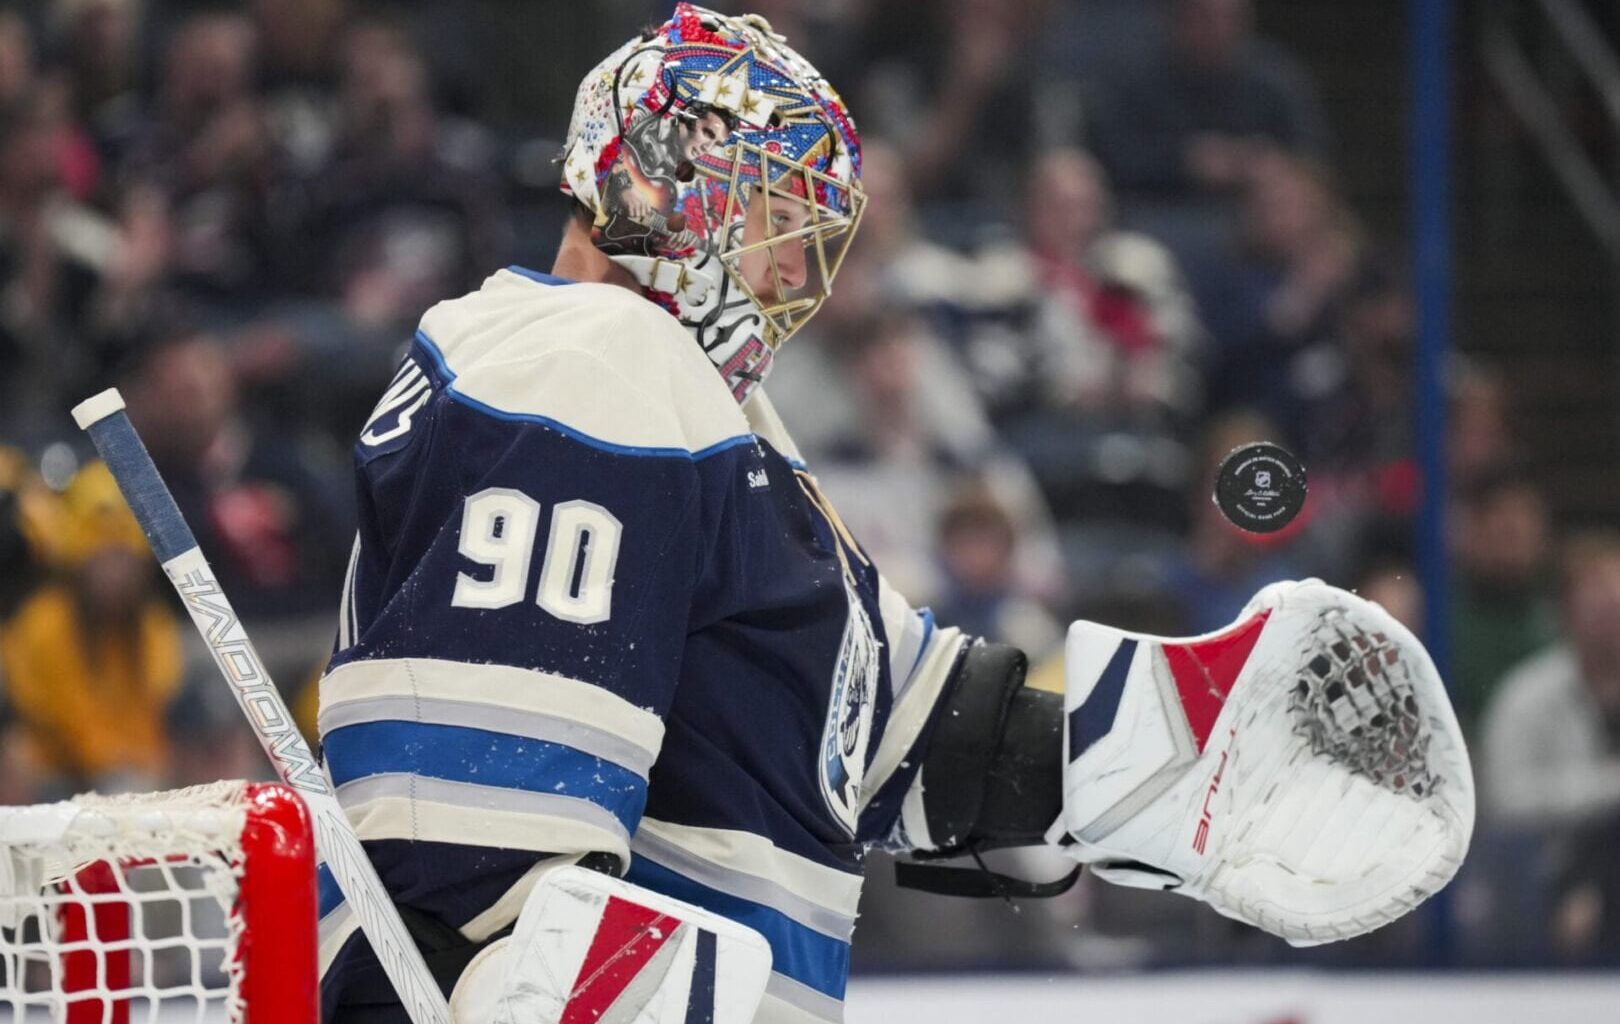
1301	770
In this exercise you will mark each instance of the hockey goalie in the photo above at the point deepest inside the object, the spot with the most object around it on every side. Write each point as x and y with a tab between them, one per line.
618	702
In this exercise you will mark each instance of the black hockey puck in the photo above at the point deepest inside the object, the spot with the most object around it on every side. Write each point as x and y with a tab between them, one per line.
1260	488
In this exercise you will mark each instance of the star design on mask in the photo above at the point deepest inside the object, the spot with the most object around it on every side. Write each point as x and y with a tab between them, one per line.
744	82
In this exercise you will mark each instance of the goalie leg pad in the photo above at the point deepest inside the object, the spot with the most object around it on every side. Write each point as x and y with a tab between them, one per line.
590	948
1301	771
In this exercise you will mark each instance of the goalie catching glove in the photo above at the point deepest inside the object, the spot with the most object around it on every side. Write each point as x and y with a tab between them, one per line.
1301	771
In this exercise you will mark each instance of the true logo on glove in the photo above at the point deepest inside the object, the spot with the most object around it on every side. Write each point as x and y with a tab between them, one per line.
1201	836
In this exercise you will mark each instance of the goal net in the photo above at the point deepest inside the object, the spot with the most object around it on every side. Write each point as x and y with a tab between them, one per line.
191	905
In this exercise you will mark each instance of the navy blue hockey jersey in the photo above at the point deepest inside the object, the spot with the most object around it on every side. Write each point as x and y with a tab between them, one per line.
595	605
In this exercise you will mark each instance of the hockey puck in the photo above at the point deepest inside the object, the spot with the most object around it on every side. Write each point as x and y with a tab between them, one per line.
1260	487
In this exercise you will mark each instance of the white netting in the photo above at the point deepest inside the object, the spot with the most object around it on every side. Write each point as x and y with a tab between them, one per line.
1355	702
123	908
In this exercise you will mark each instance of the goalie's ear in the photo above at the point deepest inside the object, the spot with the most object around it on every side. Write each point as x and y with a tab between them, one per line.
1301	770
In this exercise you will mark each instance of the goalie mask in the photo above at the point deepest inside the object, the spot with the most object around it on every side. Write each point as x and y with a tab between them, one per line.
722	171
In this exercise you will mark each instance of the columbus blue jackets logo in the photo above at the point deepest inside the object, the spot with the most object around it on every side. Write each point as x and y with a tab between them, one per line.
849	712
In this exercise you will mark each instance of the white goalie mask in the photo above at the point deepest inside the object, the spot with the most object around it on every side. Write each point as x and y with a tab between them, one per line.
722	171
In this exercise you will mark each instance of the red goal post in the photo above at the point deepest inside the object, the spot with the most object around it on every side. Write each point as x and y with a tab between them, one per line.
191	905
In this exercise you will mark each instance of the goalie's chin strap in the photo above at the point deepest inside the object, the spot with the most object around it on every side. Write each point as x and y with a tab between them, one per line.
978	882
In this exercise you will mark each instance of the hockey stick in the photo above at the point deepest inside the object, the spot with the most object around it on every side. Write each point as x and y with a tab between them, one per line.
103	417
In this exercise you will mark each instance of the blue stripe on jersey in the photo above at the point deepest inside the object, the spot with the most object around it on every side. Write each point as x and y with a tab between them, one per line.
431	349
328	896
460	754
801	953
535	275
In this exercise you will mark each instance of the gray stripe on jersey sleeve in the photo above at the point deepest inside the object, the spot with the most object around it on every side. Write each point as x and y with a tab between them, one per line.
473	715
802	997
744	886
423	789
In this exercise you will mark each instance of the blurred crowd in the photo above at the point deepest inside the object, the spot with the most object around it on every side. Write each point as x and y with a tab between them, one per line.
1104	246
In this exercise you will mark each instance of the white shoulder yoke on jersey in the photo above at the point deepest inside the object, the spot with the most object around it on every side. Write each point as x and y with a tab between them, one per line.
593	359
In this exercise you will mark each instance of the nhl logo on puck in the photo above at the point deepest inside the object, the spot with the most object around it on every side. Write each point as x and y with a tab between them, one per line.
1260	487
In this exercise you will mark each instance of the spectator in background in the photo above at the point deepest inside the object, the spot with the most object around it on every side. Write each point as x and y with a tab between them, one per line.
1350	398
949	84
1113	329
92	659
1393	584
978	547
17	64
302	40
913	435
96	45
1502	609
20	774
1355	386
891	260
1480	434
1222	566
1273	305
210	152
401	218
1195	121
20	492
405	214
21	781
51	258
274	522
1551	737
1550	760
891	266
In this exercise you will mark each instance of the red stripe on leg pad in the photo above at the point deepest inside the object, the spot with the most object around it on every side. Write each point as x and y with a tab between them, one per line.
626	939
1205	671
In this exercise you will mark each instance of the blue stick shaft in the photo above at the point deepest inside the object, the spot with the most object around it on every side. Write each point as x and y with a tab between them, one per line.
121	448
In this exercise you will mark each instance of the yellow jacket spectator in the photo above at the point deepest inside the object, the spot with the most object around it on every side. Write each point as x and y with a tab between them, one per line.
92	659
22	499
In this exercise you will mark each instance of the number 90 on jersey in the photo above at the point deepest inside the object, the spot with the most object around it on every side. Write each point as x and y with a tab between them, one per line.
498	530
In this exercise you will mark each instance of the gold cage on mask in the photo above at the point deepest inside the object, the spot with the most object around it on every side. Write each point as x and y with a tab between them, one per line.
825	233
